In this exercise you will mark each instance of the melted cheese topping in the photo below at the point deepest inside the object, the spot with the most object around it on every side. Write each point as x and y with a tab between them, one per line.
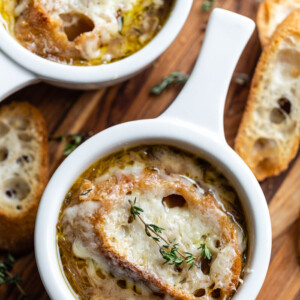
85	32
95	226
103	13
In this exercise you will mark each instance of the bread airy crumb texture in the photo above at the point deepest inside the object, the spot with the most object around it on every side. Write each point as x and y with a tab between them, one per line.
270	14
23	173
268	137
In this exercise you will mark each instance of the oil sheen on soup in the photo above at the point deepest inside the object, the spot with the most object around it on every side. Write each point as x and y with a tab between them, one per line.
84	32
152	222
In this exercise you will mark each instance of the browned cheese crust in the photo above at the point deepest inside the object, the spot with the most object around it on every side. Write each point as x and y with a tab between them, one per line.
125	184
44	36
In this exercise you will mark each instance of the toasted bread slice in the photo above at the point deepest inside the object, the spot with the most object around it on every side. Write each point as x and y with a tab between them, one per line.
268	137
23	173
270	14
298	239
127	247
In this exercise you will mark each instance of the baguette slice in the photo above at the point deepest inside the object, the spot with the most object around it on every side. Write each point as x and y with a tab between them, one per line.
23	173
128	248
270	14
268	137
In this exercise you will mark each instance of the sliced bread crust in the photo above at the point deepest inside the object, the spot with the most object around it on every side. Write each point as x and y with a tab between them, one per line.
268	137
23	173
128	248
270	14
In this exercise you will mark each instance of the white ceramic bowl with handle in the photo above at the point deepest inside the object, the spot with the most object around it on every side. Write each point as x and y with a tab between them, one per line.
19	67
194	122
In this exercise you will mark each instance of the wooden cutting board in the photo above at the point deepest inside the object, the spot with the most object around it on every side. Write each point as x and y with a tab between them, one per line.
68	111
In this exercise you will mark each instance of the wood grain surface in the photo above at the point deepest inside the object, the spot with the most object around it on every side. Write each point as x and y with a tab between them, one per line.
69	111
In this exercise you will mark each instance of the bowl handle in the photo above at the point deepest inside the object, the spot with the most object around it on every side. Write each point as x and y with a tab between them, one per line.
13	77
201	102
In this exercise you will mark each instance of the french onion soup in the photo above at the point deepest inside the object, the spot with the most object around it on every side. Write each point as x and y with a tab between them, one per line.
152	222
84	32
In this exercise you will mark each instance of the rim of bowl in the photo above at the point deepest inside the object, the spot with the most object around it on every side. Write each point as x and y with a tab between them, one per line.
172	132
54	71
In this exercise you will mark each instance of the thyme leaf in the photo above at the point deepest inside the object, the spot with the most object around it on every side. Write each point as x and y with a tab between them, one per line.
85	192
190	259
6	276
171	256
174	77
207	5
169	251
72	144
156	228
135	210
204	251
72	141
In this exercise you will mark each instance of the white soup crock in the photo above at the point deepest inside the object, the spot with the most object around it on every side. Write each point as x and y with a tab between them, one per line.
19	67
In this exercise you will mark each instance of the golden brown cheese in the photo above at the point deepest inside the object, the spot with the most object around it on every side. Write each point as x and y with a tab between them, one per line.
87	32
96	226
199	219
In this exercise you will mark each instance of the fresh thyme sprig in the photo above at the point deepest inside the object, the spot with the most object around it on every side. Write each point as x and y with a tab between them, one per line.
190	259
134	210
204	251
174	77
170	250
6	276
150	229
72	141
170	254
